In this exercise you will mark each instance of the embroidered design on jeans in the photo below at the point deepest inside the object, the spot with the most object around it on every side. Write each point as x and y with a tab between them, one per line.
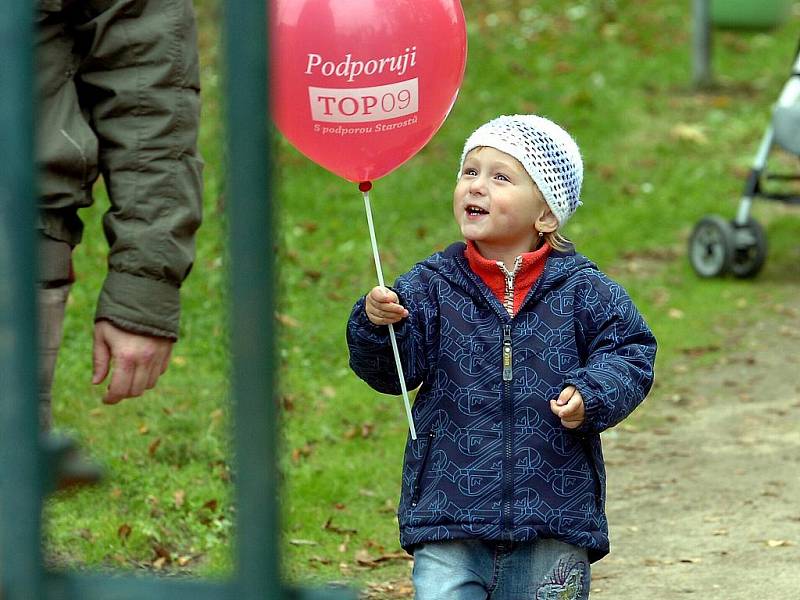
565	582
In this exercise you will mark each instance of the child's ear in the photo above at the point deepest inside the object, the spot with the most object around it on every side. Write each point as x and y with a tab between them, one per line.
546	222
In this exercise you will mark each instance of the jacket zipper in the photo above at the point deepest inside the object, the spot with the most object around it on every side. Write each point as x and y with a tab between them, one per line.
508	372
508	458
417	490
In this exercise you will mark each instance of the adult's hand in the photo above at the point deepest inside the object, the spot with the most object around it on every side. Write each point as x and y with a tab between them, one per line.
138	360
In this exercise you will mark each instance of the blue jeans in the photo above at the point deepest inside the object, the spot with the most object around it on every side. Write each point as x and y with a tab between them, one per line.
477	570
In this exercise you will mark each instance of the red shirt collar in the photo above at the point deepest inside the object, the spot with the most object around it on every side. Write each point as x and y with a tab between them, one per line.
529	271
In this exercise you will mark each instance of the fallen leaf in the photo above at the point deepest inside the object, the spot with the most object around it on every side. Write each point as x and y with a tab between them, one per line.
720	101
286	320
675	313
312	274
607	172
301	452
364	559
144	430
179	498
329	526
689	133
151	449
161	552
563	67
287	401
652	562
700	350
390	590
299	542
364	431
124	531
211	505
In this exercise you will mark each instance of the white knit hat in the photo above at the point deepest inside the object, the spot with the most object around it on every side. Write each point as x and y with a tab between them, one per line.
547	152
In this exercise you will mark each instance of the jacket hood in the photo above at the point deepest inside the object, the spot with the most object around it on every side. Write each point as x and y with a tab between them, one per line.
452	265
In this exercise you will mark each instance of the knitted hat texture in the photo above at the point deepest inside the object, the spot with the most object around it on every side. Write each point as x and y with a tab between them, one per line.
547	152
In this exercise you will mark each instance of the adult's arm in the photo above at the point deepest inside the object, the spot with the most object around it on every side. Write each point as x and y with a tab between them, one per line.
139	82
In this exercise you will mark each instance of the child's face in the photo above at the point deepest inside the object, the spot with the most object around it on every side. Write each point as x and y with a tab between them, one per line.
497	204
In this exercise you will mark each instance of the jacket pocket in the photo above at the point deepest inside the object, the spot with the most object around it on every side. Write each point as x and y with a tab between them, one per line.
67	147
598	473
416	483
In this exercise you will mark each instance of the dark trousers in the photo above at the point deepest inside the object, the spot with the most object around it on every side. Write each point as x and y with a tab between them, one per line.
52	305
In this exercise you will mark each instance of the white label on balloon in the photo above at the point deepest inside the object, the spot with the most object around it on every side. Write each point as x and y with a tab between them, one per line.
359	105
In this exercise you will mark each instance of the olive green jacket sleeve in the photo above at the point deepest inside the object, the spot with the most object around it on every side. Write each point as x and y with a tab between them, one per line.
139	83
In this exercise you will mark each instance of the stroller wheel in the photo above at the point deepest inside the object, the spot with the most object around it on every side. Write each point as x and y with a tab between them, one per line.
750	249
711	246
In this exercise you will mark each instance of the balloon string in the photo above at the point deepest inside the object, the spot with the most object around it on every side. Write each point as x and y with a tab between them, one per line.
395	349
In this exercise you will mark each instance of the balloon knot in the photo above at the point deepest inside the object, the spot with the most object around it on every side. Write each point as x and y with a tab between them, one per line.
365	186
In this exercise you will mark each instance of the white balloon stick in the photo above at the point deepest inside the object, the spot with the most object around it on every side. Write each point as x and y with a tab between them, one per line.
395	349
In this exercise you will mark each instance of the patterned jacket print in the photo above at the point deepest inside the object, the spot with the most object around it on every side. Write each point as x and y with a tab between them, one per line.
491	461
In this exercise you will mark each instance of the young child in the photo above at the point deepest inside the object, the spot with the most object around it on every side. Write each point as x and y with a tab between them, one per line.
524	352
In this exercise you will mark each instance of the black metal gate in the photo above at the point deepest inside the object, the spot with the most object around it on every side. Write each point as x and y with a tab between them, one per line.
27	464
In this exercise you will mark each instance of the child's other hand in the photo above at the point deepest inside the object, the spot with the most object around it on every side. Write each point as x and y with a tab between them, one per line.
382	306
569	407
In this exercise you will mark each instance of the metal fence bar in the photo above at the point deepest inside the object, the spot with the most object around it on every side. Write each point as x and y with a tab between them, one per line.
22	461
701	44
116	587
252	313
20	455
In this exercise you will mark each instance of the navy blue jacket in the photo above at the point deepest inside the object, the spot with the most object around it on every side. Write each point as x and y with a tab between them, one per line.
491	461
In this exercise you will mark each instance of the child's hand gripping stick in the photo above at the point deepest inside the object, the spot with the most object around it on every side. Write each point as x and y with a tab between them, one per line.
365	186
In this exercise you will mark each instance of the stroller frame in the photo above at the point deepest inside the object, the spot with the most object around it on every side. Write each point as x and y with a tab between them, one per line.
739	247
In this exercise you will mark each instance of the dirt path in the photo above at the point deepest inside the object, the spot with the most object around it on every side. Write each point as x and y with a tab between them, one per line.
708	505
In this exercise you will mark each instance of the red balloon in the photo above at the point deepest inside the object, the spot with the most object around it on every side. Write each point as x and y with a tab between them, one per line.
360	86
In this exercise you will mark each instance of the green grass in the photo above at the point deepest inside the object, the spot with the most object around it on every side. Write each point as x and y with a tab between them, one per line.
658	157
